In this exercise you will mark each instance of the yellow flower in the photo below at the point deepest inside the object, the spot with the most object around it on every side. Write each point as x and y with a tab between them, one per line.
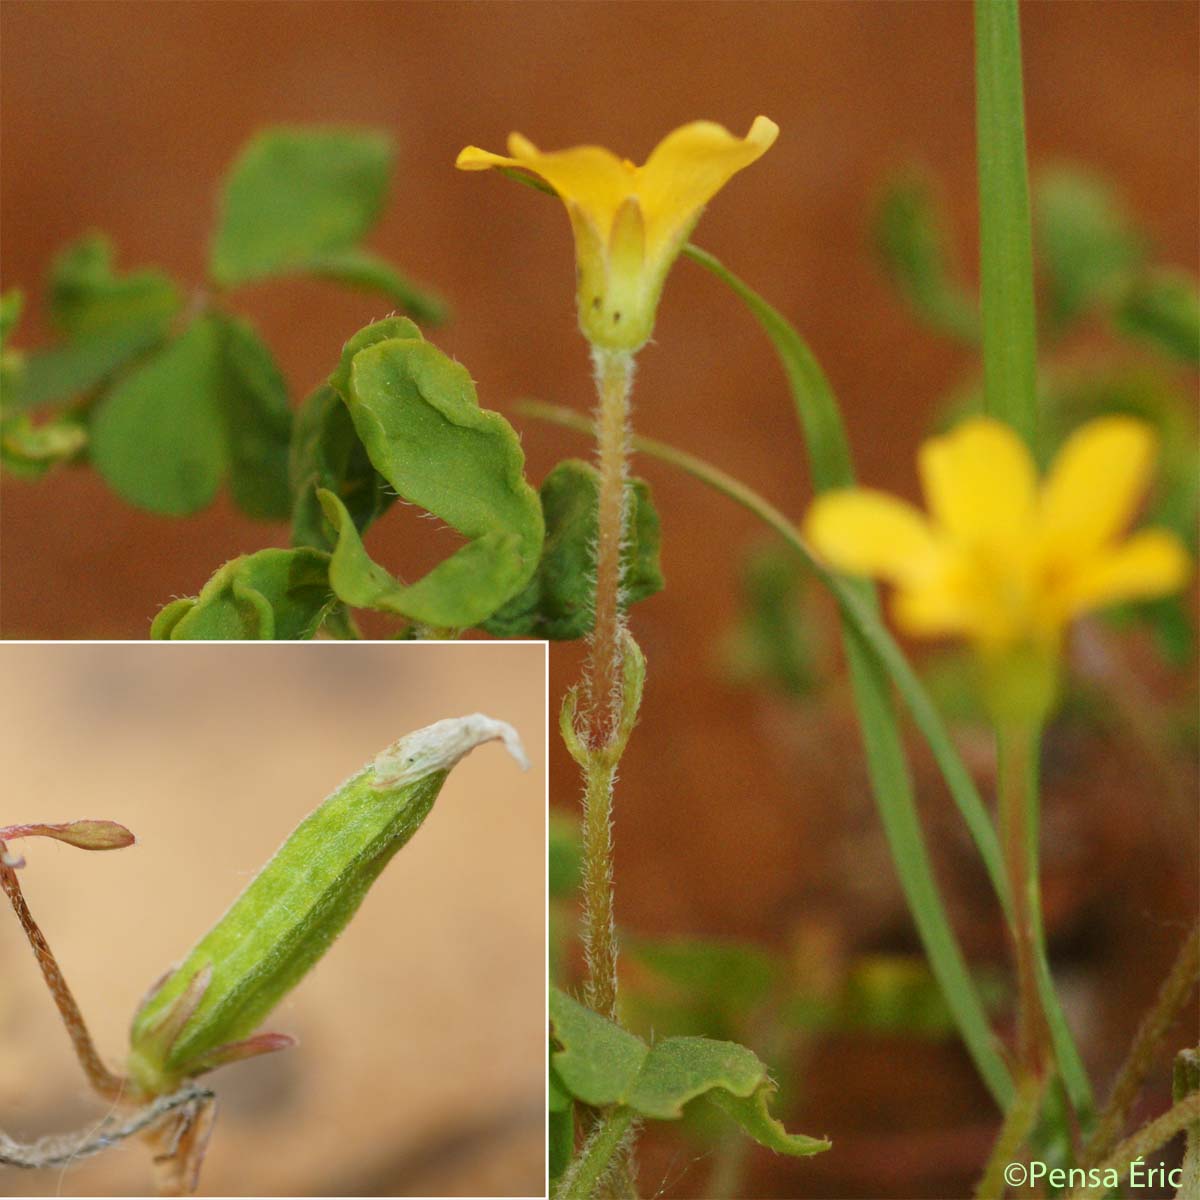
1000	560
631	222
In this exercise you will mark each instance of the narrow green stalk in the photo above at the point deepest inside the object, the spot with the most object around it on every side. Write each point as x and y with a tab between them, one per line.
1005	231
1172	996
585	1177
1018	1123
1017	820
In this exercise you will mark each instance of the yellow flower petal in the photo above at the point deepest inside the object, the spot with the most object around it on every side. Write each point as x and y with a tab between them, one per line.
866	532
980	482
630	222
1095	484
1149	564
686	169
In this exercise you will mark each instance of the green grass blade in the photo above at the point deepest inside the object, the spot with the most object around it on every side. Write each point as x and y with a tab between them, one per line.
1005	237
816	408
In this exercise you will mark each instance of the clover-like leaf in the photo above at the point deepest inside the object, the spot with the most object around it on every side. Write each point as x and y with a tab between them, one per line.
210	403
87	296
295	194
601	1064
416	413
326	453
269	595
107	320
557	602
299	200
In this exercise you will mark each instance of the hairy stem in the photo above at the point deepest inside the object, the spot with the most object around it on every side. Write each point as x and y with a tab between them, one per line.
600	1156
614	379
1172	996
1147	1139
103	1081
1018	835
603	683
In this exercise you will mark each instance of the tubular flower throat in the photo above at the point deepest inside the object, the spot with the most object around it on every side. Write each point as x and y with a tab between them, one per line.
631	222
1000	560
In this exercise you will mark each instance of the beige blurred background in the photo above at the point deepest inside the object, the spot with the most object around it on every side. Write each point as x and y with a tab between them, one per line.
420	1064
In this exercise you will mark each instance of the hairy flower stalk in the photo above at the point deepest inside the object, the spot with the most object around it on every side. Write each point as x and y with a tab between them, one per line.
630	223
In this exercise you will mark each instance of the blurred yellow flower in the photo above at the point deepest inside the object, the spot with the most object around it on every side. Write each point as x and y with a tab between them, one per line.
1000	560
631	222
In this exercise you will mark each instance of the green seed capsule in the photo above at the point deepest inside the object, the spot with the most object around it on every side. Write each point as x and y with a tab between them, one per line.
203	1013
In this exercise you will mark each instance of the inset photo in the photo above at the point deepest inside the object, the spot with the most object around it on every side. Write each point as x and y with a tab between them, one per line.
277	919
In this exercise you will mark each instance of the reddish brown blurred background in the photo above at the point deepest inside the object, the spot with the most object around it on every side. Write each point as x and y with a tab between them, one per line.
122	116
419	1069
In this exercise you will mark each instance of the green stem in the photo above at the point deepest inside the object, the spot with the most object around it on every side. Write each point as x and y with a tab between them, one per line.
1018	806
600	1155
602	679
1005	230
1018	1122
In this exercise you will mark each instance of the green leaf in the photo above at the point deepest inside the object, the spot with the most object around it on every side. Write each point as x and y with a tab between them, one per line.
361	269
596	1061
416	412
72	368
209	403
86	296
1005	237
1163	307
1085	241
557	601
158	437
602	1065
108	320
258	422
269	595
29	451
911	240
295	195
753	1114
326	453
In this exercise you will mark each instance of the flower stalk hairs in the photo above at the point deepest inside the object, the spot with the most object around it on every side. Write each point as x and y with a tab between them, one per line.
630	223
